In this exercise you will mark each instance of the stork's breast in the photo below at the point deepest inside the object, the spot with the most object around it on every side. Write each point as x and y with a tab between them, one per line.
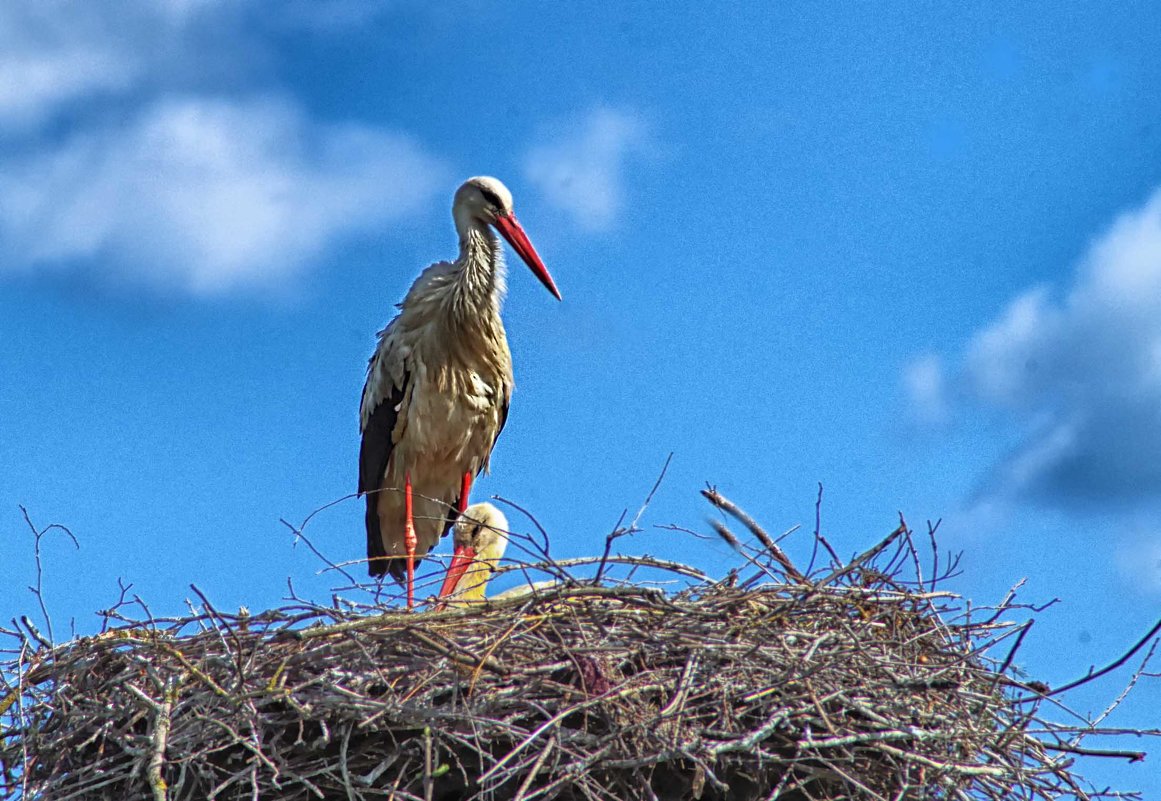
454	420
480	395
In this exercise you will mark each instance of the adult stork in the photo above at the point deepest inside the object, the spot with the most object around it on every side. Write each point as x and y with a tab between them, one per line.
438	387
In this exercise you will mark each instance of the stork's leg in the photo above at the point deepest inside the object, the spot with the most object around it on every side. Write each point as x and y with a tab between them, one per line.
465	491
409	540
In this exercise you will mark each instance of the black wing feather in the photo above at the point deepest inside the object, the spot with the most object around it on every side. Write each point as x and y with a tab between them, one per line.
374	453
505	402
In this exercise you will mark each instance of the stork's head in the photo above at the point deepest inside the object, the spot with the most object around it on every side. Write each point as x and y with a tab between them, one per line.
480	536
486	201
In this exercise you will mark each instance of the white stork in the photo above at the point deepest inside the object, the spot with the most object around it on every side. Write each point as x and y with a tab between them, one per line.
480	536
438	387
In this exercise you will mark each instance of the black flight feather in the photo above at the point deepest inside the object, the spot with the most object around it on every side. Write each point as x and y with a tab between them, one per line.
374	453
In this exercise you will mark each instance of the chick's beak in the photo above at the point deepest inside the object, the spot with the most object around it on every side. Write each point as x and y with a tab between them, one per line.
461	560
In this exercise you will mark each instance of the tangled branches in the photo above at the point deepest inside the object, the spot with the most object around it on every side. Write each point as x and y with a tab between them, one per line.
861	680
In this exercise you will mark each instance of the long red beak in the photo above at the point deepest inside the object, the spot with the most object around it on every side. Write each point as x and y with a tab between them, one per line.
509	227
461	560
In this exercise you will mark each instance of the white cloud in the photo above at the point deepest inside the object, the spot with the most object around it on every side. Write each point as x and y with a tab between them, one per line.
118	162
583	170
207	195
32	84
1079	372
56	55
51	55
1139	560
924	382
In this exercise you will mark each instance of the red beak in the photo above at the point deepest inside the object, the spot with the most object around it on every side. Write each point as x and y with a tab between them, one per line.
461	560
509	227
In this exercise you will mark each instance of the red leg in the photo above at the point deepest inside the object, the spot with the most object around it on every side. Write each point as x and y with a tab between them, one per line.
465	491
409	540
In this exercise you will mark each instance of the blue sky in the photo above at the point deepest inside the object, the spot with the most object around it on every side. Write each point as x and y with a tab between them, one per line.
911	253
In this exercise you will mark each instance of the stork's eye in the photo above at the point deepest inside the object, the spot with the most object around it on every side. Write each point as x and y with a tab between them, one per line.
492	198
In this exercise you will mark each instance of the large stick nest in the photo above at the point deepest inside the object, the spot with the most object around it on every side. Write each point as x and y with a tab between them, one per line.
852	683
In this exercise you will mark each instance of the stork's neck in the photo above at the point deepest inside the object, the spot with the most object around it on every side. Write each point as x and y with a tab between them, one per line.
473	586
479	283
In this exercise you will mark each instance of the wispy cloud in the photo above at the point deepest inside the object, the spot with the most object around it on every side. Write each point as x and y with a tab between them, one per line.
51	55
1078	371
925	384
1139	560
158	181
56	54
207	195
582	168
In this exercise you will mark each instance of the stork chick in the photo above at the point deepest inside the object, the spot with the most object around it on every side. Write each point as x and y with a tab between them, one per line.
438	387
480	537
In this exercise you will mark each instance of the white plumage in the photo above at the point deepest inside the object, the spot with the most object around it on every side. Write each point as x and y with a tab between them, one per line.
480	536
439	383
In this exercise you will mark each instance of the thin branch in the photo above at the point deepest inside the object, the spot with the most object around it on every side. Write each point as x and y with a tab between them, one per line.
1091	675
619	532
864	557
712	495
38	590
299	534
1132	756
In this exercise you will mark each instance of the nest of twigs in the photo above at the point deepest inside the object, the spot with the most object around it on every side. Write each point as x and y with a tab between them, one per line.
857	681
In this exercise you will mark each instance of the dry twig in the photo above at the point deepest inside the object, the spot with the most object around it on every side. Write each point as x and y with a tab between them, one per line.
862	684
